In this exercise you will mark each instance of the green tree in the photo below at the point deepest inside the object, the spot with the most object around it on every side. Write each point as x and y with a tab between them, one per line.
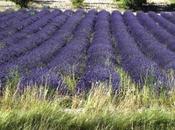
133	4
77	3
22	3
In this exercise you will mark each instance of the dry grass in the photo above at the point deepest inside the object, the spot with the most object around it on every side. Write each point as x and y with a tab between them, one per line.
129	109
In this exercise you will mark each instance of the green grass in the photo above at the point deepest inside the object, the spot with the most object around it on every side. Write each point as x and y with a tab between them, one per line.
172	1
100	109
120	4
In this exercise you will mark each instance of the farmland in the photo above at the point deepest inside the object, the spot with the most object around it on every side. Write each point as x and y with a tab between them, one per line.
86	46
102	63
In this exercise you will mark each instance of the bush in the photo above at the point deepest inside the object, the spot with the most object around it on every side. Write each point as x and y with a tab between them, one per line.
134	4
21	3
77	3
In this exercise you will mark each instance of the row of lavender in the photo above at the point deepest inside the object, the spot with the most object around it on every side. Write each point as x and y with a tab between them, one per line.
45	46
30	52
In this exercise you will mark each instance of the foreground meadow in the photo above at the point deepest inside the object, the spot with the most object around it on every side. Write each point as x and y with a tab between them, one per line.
39	108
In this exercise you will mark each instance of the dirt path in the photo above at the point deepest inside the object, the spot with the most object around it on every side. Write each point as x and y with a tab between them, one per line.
160	1
99	1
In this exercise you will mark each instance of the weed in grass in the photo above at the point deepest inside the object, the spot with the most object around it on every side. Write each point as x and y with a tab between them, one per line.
70	81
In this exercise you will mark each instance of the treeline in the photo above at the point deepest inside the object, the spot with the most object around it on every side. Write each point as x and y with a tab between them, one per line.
134	4
21	3
131	4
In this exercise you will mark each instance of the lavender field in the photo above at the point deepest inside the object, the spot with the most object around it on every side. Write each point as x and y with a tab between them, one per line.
45	46
108	70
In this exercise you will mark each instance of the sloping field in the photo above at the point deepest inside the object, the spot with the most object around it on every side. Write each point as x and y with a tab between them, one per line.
72	52
47	46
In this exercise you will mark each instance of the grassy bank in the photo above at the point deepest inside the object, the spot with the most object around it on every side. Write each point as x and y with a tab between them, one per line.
130	109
